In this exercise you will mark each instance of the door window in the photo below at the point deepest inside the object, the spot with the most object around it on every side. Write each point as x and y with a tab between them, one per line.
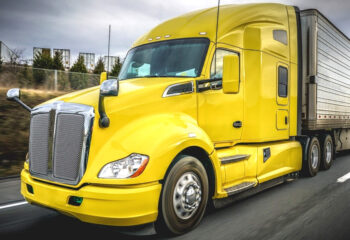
216	65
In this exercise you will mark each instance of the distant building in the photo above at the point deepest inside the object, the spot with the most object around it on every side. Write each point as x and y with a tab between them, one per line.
89	60
5	53
65	53
112	60
43	51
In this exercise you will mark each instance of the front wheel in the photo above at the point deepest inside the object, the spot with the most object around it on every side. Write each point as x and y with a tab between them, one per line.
184	197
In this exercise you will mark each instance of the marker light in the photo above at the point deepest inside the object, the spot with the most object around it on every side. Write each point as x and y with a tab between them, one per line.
128	167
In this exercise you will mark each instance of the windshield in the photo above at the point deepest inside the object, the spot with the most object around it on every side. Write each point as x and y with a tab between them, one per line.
173	58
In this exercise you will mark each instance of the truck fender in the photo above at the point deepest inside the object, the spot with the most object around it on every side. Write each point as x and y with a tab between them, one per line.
161	137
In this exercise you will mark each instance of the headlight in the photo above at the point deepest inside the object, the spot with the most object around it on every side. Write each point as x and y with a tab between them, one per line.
128	167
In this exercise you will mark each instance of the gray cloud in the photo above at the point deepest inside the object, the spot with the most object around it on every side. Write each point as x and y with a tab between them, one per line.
82	26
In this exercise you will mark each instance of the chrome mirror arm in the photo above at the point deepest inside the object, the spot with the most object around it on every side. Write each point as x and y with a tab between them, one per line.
14	95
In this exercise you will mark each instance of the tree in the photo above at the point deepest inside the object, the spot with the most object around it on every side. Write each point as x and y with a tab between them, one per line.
43	61
79	66
16	55
0	64
76	77
57	61
100	67
116	67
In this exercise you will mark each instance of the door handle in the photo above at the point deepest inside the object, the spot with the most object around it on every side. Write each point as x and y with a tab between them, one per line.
237	124
286	120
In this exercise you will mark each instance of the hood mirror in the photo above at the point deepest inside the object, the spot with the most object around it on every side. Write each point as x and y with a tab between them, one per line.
109	87
14	94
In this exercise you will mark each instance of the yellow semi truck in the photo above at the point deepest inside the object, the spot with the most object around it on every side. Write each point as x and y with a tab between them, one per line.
203	112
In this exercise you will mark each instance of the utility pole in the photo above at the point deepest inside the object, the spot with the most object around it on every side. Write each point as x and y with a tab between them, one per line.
216	33
109	41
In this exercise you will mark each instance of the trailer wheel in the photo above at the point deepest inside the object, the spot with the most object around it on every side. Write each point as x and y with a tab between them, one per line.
327	152
184	197
313	161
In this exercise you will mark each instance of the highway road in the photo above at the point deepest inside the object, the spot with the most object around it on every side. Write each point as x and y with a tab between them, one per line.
308	208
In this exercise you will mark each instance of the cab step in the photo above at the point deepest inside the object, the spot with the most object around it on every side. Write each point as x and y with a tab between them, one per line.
240	188
247	189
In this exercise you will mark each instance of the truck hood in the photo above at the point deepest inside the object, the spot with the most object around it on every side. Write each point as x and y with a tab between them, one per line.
139	118
131	92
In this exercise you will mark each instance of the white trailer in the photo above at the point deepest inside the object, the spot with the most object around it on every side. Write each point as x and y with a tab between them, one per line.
326	78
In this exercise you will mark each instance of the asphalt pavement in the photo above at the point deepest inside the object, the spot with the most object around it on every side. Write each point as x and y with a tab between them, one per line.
308	208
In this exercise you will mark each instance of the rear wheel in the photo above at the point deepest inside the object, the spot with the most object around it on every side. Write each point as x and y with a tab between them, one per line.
184	197
327	152
312	163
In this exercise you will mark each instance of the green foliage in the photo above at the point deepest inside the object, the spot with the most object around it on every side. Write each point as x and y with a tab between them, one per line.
57	62
116	68
41	61
100	67
79	66
63	81
78	80
25	77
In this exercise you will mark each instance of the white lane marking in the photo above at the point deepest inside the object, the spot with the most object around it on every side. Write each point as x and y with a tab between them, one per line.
13	204
344	178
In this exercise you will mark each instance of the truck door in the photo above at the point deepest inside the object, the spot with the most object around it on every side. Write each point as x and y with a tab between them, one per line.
219	114
273	158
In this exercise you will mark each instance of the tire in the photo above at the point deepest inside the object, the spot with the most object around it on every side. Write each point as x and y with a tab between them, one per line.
313	161
327	152
187	178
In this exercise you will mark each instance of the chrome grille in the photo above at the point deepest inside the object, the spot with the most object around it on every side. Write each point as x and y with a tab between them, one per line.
59	141
68	144
39	143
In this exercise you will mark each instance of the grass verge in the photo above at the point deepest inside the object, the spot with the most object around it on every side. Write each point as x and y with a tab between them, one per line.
14	128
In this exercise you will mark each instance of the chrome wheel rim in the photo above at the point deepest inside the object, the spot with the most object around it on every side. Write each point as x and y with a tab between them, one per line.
314	156
328	152
187	195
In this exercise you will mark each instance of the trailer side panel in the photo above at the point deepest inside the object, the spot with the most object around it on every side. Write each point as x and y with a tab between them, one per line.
326	74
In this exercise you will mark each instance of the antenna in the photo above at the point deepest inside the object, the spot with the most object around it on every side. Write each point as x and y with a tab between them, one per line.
216	33
109	41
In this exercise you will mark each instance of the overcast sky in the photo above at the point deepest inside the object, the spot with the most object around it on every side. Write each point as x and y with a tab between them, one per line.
82	26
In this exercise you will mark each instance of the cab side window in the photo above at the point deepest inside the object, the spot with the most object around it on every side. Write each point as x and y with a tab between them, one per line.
220	53
282	81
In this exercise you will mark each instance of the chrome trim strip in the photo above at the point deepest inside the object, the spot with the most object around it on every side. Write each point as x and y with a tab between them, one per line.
52	134
239	188
56	108
234	158
166	94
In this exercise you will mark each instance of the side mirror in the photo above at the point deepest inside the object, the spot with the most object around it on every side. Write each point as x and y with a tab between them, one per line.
109	87
14	94
230	74
103	77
